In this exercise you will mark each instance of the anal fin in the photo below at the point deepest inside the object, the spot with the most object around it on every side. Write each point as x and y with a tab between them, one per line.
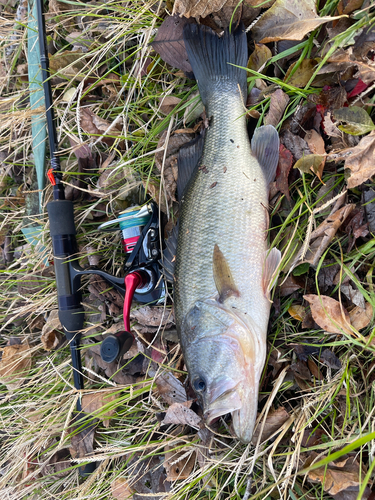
271	265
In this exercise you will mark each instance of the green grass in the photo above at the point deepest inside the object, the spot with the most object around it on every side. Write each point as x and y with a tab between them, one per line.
35	417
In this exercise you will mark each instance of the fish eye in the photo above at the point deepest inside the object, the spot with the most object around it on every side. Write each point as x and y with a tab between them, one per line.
199	385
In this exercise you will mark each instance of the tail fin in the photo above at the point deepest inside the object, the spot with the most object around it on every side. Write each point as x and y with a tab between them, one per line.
212	58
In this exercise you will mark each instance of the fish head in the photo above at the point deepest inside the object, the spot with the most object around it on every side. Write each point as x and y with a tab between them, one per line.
224	362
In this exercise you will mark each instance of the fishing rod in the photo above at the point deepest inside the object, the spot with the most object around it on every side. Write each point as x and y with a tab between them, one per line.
62	229
140	238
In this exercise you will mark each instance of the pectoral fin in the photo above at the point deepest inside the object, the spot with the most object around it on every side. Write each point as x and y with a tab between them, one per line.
169	255
271	264
223	277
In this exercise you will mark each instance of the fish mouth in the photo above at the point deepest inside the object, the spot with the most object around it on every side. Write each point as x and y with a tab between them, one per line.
223	399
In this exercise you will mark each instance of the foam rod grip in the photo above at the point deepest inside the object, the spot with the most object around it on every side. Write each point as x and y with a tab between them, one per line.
61	217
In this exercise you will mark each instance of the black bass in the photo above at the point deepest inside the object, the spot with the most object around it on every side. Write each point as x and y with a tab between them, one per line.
224	270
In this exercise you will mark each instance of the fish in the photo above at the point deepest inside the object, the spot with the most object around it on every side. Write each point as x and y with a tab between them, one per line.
223	270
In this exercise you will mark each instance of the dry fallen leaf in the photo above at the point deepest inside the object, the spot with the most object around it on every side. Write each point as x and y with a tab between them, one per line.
15	365
329	314
289	286
288	20
82	439
92	403
94	125
342	475
322	236
295	144
171	389
181	414
178	464
120	489
316	144
275	419
360	317
152	316
58	463
51	332
169	43
168	103
342	60
170	167
259	57
278	102
282	172
67	63
302	75
361	161
203	8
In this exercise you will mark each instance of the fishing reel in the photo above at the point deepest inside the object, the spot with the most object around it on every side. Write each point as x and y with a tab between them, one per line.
143	282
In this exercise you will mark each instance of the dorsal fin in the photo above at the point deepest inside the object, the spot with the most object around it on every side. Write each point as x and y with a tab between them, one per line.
169	255
265	147
224	281
188	158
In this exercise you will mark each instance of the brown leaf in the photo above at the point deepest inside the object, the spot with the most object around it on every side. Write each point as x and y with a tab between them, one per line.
343	60
313	367
168	103
51	337
171	389
288	20
315	142
92	403
169	43
302	75
82	440
361	161
337	476
289	286
278	103
282	172
94	125
67	63
197	8
329	127
120	489
295	144
15	365
170	167
153	316
180	414
259	57
329	314
58	463
359	317
332	98
275	419
177	464
323	235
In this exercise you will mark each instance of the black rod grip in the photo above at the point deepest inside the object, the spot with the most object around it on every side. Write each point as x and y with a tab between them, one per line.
61	218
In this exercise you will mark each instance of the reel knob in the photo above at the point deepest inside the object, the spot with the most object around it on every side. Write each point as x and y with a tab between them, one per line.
114	346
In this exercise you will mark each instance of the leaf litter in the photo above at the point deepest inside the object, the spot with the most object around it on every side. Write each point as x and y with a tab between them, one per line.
121	98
